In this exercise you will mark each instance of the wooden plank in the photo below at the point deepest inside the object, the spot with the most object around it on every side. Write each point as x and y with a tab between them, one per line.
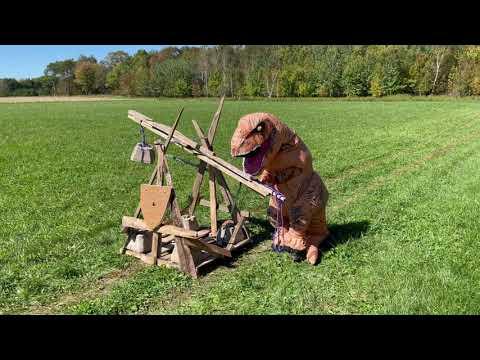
201	135
135	223
154	200
211	181
185	258
172	130
150	182
178	231
210	248
167	239
154	252
139	224
161	129
235	233
200	173
146	258
167	263
160	157
205	262
213	126
241	243
256	186
196	187
228	197
213	201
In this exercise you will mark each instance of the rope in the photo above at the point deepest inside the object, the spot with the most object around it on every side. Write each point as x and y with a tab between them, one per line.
142	134
279	200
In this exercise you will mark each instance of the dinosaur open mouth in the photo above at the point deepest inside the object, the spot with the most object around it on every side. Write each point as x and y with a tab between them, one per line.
253	161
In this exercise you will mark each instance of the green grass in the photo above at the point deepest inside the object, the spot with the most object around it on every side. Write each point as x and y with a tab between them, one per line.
403	178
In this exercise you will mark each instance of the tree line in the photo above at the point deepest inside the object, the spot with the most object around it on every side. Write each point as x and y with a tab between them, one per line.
263	71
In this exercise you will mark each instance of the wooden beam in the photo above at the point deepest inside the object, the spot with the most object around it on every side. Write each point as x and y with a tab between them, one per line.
213	201
200	173
211	179
155	245
236	231
172	130
196	187
212	249
213	126
185	258
201	135
139	224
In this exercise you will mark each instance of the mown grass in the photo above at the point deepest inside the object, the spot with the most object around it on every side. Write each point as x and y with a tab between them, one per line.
403	210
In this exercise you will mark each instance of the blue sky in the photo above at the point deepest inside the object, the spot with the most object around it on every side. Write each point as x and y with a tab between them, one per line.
27	61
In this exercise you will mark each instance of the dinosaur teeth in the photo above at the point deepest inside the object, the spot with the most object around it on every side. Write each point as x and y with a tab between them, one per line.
249	153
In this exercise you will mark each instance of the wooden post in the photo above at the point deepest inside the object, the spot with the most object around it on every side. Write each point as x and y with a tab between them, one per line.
160	157
236	231
196	187
208	144
154	253
213	201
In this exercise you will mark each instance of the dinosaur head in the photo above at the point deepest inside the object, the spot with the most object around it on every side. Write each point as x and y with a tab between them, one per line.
257	139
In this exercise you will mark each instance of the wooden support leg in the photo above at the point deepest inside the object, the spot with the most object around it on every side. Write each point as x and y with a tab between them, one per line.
160	163
236	215
236	232
155	245
185	258
228	198
213	201
196	187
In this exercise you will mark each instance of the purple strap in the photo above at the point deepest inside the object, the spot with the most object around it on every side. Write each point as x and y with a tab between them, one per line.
279	199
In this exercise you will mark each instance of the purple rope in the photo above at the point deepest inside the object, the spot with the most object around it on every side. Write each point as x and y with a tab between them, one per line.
280	200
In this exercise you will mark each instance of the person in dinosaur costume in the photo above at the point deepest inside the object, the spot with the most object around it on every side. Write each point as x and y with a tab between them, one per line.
276	156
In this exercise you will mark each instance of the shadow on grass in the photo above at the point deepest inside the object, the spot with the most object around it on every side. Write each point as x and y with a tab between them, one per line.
342	233
263	232
339	234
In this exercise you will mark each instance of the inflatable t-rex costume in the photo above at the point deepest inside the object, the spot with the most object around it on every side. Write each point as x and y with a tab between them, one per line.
275	154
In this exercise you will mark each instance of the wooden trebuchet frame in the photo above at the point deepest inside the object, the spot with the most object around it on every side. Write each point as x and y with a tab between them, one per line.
179	242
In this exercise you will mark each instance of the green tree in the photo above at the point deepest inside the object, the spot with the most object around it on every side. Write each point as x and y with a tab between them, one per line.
4	91
89	77
61	72
356	74
328	72
114	59
172	78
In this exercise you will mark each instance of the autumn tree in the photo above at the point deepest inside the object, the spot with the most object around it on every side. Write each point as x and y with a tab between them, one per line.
89	76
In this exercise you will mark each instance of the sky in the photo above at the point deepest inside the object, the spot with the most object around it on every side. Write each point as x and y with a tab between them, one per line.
28	61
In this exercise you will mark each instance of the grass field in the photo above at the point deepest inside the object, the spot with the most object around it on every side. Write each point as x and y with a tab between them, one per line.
404	205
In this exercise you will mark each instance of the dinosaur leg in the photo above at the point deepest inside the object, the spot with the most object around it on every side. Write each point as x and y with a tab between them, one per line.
300	217
317	233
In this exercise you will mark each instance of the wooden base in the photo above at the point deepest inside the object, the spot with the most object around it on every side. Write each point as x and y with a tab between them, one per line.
164	258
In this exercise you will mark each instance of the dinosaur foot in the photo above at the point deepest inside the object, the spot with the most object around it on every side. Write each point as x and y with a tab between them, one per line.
312	254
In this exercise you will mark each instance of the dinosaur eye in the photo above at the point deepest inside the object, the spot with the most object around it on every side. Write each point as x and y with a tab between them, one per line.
259	128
